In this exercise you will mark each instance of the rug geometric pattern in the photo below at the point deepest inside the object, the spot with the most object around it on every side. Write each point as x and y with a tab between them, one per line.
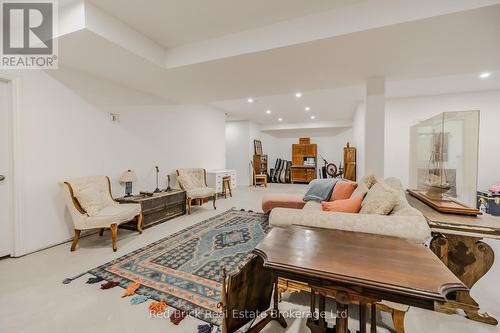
184	269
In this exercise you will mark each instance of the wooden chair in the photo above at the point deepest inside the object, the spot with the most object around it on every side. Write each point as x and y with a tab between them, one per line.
194	182
226	186
259	179
92	206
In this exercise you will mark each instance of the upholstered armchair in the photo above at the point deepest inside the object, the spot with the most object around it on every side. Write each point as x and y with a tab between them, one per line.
92	206
194	182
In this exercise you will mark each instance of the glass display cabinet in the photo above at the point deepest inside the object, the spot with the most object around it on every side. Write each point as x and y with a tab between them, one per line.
444	158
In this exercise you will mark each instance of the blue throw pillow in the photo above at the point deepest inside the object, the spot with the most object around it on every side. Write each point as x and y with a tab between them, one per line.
320	190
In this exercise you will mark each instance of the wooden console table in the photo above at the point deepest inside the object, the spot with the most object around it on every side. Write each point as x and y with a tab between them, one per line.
457	241
158	208
354	268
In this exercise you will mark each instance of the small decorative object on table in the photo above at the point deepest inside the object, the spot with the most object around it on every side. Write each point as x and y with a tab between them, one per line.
157	173
168	184
128	177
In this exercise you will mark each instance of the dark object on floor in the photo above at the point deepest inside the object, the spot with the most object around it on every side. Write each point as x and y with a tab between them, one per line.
95	279
177	316
249	289
205	328
109	285
69	280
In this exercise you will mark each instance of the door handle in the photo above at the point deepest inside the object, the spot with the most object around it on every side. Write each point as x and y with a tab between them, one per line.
2	177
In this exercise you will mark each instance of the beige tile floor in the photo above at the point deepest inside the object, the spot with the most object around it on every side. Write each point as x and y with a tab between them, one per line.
32	298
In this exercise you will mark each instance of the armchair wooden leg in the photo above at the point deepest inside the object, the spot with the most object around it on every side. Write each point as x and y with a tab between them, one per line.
75	239
114	234
189	205
139	222
215	198
101	232
398	319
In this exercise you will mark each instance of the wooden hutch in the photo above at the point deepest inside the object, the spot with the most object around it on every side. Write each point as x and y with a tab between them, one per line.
304	161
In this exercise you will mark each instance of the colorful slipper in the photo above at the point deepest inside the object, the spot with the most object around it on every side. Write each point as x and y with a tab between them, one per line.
131	289
157	307
93	280
138	299
204	328
109	285
177	316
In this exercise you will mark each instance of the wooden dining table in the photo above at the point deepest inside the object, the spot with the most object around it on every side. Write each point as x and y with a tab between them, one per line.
356	268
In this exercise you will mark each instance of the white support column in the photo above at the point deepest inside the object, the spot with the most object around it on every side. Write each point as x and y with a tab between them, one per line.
374	127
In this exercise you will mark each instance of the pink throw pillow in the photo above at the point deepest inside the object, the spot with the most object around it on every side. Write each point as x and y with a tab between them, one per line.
352	205
343	190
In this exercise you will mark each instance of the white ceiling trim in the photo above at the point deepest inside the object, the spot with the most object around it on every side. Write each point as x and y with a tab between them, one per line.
358	17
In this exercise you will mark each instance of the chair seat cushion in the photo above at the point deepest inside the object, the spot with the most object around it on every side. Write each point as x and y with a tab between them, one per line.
352	205
116	213
202	192
270	201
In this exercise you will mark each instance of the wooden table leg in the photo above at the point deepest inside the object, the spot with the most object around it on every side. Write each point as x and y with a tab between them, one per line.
342	318
362	318
373	318
317	324
469	259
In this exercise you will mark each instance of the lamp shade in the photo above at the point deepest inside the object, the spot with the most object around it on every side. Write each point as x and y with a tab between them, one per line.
128	176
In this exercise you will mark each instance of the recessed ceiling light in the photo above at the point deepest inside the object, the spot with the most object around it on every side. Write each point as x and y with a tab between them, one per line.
307	108
298	95
250	100
313	117
268	111
484	75
280	119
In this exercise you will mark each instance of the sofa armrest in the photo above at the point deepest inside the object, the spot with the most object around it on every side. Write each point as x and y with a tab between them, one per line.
413	228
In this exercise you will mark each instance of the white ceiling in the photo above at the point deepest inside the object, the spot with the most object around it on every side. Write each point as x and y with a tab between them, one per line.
176	22
440	54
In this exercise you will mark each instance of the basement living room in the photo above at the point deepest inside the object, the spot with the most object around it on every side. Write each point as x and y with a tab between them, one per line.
245	166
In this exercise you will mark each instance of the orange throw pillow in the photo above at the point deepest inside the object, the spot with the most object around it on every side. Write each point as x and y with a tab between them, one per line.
343	190
352	205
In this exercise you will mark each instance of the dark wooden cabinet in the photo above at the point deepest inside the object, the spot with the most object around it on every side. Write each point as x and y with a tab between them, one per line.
158	208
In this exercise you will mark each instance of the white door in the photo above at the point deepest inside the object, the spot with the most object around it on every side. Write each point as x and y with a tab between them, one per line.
5	235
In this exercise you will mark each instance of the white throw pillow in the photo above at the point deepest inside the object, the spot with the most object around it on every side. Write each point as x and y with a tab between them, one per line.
379	200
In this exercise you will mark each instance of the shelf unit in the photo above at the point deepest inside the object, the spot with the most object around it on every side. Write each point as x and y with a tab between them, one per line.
300	172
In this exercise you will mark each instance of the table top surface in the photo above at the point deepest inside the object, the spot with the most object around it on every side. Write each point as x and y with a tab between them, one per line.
139	197
464	223
389	264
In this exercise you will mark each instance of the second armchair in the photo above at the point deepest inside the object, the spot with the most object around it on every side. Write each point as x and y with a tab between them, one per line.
194	182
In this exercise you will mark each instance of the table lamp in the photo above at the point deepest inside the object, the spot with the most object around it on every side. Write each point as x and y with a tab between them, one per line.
128	177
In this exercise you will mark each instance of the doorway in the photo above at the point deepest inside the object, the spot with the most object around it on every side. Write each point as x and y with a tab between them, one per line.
5	172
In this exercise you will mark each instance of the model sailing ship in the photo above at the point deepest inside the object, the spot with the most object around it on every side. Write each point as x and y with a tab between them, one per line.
436	181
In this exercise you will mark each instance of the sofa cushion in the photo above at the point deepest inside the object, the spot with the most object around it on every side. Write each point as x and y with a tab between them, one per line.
270	201
343	190
360	190
116	213
92	194
380	200
351	205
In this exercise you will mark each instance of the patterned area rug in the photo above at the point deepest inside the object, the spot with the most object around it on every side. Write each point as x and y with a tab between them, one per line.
184	269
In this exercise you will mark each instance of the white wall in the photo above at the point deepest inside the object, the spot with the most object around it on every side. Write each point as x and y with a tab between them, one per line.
67	133
330	147
402	113
238	153
358	134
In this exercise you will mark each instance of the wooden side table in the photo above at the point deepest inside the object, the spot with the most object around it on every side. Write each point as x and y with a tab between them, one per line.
158	208
457	241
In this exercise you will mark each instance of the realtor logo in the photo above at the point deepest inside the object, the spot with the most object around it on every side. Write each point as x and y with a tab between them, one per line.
28	34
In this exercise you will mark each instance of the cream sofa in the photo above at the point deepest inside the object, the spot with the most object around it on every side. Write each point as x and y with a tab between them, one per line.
404	221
